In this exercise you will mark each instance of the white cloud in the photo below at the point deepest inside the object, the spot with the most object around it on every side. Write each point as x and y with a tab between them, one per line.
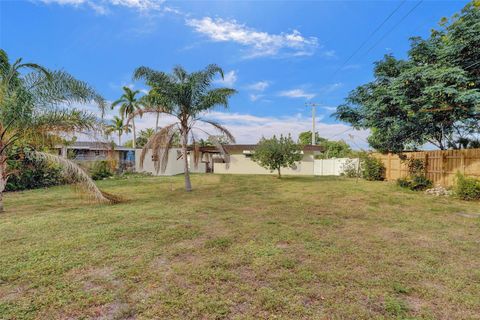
258	43
259	86
255	97
331	87
297	93
249	128
229	79
102	6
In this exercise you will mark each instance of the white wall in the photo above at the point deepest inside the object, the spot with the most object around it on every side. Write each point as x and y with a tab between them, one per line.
241	164
331	167
174	165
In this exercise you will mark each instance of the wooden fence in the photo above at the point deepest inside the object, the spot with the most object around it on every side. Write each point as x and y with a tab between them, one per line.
441	165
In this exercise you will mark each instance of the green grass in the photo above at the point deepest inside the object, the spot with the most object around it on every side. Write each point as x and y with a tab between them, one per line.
239	247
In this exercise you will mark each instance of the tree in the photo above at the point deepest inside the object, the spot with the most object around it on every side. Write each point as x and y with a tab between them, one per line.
305	138
32	115
432	97
274	154
143	137
118	126
129	105
336	149
186	97
154	103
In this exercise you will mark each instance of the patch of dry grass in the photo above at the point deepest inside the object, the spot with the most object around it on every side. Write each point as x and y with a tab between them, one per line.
240	247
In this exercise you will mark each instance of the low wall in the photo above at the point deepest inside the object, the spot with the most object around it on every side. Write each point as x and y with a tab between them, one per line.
332	167
241	164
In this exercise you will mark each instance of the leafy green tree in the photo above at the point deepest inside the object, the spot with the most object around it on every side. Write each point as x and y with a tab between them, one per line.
143	137
305	138
187	97
336	149
274	154
130	106
433	97
333	149
32	115
118	126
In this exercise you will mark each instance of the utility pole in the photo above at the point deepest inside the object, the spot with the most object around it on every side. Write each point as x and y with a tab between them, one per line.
313	105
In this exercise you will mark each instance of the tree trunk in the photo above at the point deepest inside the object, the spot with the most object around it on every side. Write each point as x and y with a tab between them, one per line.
119	139
279	174
134	135
3	176
188	184
156	122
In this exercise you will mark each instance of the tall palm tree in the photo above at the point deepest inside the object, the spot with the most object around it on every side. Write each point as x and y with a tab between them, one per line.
118	126
155	104
129	105
31	114
187	97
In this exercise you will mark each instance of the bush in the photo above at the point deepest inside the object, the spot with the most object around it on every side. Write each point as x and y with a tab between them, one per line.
350	170
467	188
101	170
31	173
416	181
372	168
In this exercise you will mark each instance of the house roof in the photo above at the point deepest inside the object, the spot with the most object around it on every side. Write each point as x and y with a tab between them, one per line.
95	145
243	147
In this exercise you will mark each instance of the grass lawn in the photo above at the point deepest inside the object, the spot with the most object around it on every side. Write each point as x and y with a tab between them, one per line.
240	247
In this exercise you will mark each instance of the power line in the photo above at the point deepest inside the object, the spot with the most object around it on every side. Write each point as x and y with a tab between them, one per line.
393	28
369	37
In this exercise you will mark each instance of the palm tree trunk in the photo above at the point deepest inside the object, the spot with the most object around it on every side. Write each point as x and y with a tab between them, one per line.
156	122
3	176
119	139
134	135
188	184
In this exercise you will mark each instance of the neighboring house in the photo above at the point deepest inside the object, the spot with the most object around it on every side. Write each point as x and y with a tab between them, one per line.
240	161
237	161
86	153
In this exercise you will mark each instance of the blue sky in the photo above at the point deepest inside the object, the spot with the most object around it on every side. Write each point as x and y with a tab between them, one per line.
278	55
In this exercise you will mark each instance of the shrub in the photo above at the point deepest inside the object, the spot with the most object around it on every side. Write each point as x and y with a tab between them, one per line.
416	181
30	173
350	169
372	168
101	170
467	188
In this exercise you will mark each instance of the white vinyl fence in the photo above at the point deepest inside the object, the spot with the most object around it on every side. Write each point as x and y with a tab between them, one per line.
332	167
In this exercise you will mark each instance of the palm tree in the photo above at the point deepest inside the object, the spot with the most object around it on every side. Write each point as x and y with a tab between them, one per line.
117	125
155	104
187	97
129	105
31	115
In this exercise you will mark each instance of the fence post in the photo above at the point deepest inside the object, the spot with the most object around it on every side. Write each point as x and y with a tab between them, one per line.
462	161
389	167
442	171
426	164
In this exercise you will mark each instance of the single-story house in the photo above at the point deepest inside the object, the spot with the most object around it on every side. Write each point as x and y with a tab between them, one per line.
237	161
86	153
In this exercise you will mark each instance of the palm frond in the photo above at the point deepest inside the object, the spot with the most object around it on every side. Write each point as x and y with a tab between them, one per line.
160	143
221	128
78	175
61	87
221	149
214	98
